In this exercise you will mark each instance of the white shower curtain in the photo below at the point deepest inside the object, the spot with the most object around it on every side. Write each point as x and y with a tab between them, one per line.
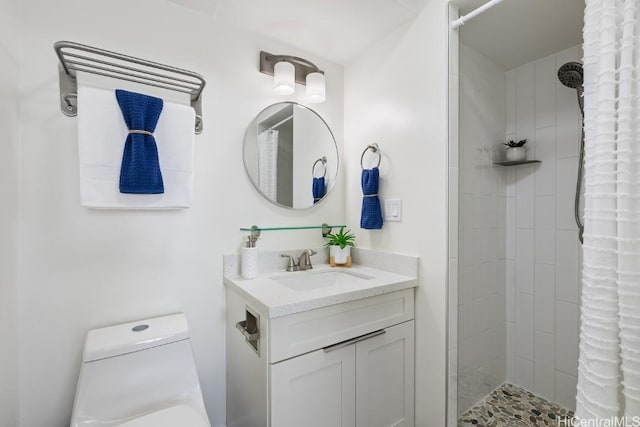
609	364
268	163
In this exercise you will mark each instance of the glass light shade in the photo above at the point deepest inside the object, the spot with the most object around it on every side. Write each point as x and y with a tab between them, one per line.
316	91
284	78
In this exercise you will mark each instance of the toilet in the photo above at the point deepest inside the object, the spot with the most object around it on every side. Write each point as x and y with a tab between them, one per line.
139	374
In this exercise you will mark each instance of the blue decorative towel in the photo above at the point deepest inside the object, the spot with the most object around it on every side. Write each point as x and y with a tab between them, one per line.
371	218
318	189
140	169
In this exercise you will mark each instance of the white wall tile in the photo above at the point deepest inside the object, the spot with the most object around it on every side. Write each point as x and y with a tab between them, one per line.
524	260
525	100
567	338
544	366
453	304
452	399
525	197
465	355
453	215
566	173
545	85
465	284
566	390
481	312
511	352
524	373
510	290
567	266
544	298
539	226
511	228
510	83
524	325
510	177
545	175
454	125
502	354
545	212
545	245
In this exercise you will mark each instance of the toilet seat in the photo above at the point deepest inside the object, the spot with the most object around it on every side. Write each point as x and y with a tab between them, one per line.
179	415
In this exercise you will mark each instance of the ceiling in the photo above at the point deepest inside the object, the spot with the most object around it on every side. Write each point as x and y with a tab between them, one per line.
334	29
515	32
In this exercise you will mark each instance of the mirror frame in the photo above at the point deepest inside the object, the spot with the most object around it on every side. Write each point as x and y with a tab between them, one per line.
256	186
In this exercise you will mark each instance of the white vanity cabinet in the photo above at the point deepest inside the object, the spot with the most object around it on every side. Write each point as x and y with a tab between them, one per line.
366	383
349	364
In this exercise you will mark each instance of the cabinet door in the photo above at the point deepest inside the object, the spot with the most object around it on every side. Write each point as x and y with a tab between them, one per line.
385	378
315	390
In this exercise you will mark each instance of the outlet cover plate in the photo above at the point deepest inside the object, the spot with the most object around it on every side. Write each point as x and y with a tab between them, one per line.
393	210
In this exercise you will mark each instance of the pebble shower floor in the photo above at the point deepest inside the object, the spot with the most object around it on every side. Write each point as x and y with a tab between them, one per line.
509	405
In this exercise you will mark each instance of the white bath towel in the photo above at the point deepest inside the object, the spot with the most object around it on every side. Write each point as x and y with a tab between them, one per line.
102	133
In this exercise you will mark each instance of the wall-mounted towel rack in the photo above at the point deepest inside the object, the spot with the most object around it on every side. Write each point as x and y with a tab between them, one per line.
374	148
323	161
76	57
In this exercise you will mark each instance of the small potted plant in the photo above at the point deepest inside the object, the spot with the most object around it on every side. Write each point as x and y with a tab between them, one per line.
516	151
340	244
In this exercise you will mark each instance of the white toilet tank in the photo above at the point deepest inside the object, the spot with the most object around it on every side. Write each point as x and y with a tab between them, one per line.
139	374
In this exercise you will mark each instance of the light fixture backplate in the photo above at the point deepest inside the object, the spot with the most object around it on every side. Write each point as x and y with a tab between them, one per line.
302	66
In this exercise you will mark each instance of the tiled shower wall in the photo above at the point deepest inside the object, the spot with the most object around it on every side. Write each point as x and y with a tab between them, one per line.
482	271
519	255
542	247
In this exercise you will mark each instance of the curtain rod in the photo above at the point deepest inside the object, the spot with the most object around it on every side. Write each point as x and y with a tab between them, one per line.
461	21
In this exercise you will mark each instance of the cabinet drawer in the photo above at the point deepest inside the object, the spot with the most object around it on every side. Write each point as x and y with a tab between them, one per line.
310	330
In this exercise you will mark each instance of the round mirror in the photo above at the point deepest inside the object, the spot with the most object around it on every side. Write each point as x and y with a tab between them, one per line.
290	155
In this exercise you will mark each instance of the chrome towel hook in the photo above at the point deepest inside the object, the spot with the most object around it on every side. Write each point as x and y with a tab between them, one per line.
375	149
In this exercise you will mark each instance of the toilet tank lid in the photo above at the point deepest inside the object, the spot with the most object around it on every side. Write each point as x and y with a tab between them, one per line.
134	336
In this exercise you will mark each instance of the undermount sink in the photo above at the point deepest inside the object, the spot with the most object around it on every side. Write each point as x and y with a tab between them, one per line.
310	280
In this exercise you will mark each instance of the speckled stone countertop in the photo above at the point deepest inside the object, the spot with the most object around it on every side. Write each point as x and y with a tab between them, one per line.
277	299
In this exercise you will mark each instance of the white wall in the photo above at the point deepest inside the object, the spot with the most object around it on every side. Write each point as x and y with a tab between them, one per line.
83	268
481	291
9	208
543	251
396	95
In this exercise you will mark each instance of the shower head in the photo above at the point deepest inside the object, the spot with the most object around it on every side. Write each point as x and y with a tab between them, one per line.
570	75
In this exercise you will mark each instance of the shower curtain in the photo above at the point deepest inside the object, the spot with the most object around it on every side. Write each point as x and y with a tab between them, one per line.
609	363
268	163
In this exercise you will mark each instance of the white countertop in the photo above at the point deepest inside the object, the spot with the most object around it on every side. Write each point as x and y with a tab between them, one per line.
277	300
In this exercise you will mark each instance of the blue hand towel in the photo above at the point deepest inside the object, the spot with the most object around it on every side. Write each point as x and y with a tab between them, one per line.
371	218
140	169
318	189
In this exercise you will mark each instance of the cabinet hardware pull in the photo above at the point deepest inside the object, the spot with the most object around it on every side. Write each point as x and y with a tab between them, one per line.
242	327
347	343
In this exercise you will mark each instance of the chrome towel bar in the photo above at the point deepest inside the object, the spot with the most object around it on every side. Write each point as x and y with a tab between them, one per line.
76	57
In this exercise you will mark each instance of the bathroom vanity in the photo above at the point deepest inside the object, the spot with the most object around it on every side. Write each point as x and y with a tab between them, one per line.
325	347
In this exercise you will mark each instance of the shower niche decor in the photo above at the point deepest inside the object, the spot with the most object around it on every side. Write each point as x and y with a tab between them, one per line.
516	154
290	155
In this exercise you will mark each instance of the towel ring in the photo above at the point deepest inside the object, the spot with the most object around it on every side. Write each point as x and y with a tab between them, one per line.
323	161
374	148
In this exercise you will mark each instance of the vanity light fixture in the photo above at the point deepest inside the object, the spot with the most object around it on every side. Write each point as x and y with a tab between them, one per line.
284	78
289	70
316	88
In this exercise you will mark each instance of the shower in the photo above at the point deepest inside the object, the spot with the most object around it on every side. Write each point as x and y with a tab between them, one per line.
570	75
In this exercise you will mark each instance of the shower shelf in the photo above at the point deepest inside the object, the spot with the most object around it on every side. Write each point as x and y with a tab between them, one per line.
519	162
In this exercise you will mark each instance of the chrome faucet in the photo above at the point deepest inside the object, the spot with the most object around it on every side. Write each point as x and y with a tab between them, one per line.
304	261
291	266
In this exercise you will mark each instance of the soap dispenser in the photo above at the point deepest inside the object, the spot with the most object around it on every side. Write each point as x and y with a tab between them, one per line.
250	259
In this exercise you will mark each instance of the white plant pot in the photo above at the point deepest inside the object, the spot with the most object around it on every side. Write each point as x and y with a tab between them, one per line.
516	154
340	255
